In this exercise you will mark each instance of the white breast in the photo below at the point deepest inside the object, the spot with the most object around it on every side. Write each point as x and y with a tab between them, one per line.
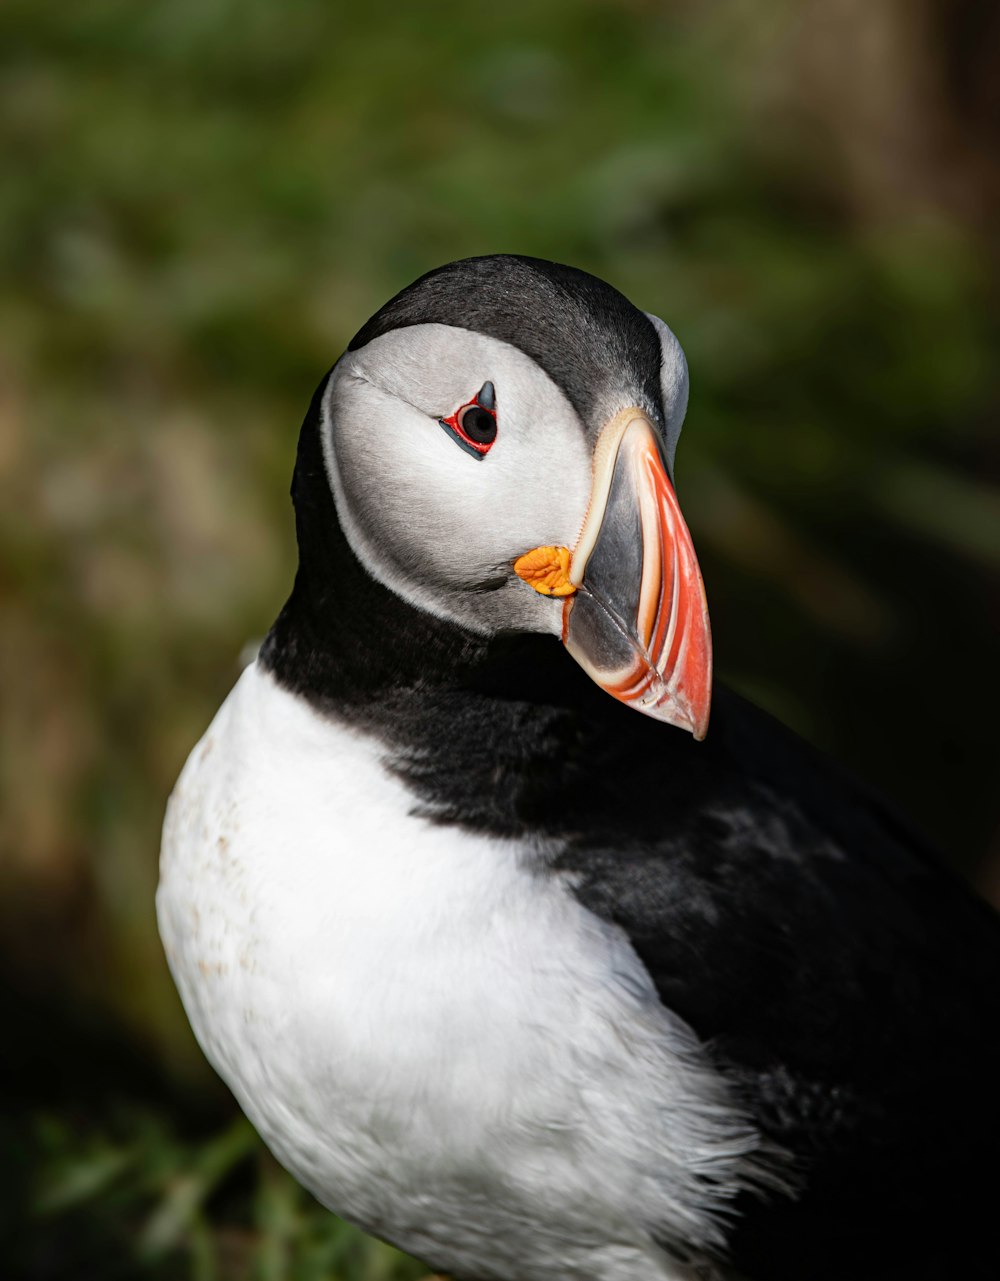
423	1024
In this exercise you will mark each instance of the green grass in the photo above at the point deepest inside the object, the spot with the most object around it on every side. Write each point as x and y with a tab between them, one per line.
137	1201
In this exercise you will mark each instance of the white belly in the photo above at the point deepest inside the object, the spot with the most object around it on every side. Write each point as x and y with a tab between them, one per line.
424	1025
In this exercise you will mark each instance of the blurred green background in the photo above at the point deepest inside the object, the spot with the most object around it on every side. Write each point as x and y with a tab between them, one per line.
200	202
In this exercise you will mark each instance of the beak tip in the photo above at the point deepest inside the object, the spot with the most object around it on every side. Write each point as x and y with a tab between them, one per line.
671	708
695	724
699	721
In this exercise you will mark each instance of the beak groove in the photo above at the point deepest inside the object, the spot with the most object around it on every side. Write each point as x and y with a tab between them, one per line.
638	623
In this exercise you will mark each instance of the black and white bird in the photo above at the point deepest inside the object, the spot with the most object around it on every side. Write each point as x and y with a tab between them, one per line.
532	986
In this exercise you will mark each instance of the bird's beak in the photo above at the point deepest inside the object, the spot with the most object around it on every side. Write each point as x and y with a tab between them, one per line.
635	616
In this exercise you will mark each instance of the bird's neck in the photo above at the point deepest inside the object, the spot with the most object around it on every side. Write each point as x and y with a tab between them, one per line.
480	726
487	733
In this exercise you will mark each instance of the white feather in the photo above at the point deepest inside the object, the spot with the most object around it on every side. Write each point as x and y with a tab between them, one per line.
424	1025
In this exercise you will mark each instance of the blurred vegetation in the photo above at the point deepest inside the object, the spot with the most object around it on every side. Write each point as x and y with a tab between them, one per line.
200	201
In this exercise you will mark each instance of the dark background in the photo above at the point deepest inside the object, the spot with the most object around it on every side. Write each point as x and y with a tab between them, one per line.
200	202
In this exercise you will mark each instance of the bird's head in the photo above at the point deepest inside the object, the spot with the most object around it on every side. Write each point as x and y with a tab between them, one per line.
498	440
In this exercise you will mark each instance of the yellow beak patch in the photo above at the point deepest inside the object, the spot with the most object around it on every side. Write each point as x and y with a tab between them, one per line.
546	569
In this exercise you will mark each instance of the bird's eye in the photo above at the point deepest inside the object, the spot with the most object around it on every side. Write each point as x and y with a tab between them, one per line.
478	424
474	424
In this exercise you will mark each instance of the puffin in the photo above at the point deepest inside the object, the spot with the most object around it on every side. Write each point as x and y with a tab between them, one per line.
512	957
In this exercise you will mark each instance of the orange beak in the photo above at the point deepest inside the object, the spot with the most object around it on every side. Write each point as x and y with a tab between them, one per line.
637	621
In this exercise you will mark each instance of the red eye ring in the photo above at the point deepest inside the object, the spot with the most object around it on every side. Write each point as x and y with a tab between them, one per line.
473	425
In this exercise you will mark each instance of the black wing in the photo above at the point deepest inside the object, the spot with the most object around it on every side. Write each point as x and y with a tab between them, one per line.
843	979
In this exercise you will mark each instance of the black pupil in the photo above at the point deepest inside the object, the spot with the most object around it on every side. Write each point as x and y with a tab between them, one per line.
479	425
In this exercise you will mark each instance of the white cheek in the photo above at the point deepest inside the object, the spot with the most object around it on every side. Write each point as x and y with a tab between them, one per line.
429	520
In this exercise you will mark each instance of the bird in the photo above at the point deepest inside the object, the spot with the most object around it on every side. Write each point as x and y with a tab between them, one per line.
515	955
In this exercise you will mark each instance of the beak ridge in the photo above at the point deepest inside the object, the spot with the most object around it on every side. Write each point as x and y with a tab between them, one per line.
638	623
